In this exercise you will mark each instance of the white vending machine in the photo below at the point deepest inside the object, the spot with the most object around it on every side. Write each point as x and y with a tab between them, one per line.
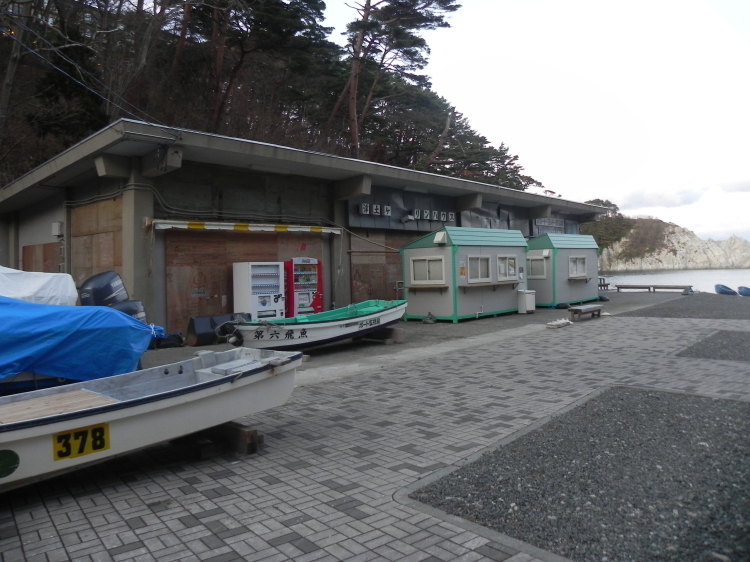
259	289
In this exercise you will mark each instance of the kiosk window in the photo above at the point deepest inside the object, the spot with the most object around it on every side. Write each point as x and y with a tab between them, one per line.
577	267
506	268
427	271
537	268
479	269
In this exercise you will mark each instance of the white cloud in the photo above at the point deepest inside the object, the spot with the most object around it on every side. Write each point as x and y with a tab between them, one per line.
737	186
643	103
662	198
717	214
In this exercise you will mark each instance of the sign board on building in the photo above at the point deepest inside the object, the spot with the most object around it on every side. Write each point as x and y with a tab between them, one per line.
557	223
400	209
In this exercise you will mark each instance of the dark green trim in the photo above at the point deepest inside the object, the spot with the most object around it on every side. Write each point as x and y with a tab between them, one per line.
456	318
553	265
454	277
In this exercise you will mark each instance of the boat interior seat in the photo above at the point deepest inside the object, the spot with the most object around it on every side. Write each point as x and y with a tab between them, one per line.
235	367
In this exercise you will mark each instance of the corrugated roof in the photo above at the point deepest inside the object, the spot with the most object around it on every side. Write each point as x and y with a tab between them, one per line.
563	241
460	236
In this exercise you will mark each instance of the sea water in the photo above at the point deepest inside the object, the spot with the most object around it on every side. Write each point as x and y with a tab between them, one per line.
702	280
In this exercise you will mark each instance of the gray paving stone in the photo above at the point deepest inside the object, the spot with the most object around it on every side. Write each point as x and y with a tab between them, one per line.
340	501
125	548
282	539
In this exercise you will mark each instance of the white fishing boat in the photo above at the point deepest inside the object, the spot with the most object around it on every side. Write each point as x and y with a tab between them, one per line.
355	320
48	432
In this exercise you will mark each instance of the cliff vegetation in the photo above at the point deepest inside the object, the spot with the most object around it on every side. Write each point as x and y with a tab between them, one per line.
655	245
649	244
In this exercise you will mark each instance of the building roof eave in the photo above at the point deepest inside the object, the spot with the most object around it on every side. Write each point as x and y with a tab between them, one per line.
130	138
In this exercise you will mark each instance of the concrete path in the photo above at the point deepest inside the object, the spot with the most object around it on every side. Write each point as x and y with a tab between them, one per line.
330	482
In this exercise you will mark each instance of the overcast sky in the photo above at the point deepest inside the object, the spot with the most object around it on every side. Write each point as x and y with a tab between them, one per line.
642	102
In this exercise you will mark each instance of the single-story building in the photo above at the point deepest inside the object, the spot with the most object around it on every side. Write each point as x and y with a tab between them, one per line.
171	210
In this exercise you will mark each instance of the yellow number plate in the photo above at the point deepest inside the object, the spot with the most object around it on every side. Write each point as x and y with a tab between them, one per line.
80	442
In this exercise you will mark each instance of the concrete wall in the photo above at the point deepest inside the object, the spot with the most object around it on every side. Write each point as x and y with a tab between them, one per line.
35	222
239	194
7	240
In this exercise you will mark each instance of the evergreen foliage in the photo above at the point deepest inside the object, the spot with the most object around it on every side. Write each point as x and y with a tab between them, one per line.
256	69
643	236
611	228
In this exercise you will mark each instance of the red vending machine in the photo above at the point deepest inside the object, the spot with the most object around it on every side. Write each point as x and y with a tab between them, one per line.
304	286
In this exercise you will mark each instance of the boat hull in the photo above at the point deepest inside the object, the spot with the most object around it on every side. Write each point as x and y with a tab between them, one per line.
744	291
301	335
134	421
724	290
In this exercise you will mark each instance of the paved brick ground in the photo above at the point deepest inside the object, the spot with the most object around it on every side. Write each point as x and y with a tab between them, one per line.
338	451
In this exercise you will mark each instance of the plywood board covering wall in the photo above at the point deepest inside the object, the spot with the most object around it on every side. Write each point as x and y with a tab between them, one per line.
96	239
199	267
45	258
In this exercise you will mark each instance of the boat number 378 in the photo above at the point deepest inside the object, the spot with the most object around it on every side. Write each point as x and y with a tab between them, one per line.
80	442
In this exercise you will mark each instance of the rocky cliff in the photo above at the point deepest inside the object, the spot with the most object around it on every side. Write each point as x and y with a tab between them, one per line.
680	249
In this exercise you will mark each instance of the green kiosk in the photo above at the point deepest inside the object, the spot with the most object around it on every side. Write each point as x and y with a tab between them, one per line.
461	273
563	269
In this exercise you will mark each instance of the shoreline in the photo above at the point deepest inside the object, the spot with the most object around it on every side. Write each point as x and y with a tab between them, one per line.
662	271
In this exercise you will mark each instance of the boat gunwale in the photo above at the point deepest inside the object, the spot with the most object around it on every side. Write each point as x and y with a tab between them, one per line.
121	405
281	322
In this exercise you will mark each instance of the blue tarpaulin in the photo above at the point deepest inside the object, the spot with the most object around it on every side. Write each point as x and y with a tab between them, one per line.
73	342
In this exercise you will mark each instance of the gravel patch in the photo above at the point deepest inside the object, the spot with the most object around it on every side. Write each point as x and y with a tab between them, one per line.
699	305
724	345
630	475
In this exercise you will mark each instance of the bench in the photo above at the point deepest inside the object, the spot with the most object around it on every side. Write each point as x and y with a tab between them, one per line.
576	312
603	285
647	287
653	288
673	287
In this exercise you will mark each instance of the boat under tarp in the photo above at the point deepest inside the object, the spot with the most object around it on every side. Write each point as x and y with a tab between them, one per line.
76	343
38	287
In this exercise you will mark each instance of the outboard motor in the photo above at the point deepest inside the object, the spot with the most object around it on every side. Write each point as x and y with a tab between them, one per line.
131	308
103	289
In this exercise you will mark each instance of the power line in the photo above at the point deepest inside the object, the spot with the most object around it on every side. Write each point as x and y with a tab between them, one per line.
83	71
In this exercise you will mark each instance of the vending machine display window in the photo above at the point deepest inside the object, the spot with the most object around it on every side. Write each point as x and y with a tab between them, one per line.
304	286
259	289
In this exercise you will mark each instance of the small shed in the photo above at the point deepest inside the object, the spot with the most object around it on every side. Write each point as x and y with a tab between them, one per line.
563	268
459	273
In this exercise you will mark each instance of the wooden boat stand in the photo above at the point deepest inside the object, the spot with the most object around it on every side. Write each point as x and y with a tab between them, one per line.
235	436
